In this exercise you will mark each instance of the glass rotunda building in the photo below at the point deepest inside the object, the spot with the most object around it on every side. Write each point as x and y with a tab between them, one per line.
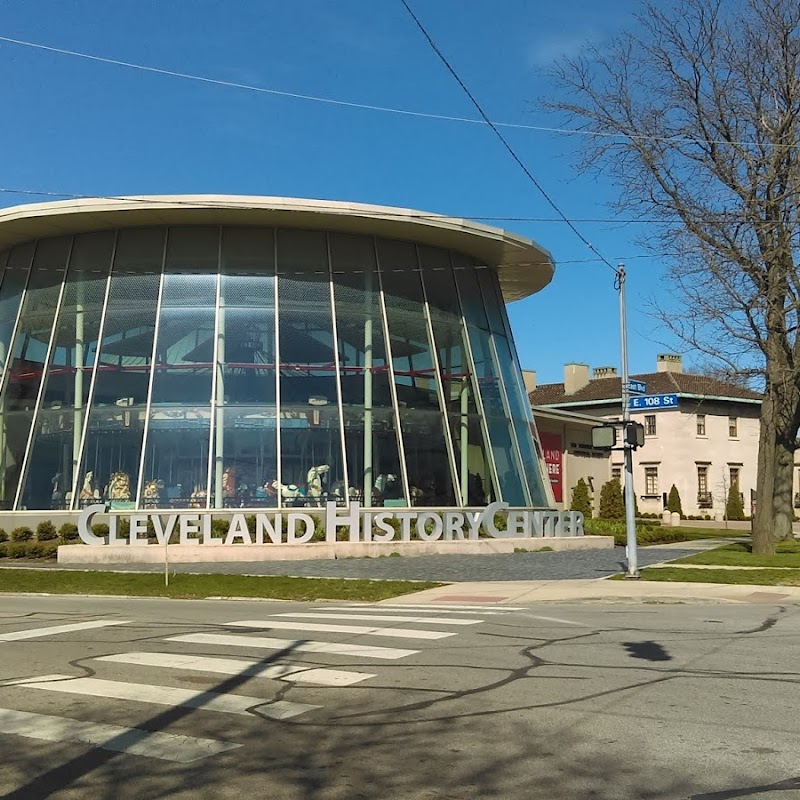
247	352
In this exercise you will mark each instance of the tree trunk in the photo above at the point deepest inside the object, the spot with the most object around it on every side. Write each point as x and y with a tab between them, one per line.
782	500
776	445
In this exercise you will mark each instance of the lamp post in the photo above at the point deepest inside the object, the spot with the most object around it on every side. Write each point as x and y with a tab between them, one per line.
628	440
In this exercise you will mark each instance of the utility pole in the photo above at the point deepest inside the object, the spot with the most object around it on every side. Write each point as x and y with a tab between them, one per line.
630	514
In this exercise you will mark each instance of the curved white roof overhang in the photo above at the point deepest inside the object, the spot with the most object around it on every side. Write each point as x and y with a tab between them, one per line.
524	267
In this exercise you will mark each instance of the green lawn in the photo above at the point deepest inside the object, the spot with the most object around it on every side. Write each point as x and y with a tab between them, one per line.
758	577
740	555
55	581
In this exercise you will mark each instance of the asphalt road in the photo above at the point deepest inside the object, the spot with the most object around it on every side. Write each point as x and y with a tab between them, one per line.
600	701
535	566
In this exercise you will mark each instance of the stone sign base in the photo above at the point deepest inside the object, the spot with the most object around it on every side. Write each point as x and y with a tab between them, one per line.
196	554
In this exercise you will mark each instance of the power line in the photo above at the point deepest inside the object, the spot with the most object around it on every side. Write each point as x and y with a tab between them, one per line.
365	210
368	106
504	141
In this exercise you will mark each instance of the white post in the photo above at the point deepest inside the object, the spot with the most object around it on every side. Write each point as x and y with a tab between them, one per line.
368	477
77	422
464	441
630	514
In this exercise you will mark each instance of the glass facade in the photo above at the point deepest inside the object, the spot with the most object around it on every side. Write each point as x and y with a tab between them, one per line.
248	367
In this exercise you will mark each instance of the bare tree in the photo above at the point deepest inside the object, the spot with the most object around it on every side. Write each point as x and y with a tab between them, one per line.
697	118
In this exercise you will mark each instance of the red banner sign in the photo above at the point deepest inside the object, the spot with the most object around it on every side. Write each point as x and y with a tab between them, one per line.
553	446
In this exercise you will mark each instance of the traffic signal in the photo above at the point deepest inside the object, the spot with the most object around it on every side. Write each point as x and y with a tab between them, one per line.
634	434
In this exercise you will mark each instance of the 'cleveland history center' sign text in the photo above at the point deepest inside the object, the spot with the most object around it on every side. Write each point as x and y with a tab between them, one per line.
360	525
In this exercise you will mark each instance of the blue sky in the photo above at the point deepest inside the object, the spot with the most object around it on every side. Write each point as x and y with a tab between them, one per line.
82	127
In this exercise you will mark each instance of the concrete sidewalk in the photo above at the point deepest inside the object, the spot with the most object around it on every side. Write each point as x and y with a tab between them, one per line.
635	591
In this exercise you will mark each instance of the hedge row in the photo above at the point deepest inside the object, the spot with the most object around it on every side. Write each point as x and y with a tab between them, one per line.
28	549
45	532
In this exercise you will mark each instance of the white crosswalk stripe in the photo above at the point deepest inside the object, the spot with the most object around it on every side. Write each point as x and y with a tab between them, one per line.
443	606
294	645
380	618
169	696
117	738
54	630
409	609
293	673
354	630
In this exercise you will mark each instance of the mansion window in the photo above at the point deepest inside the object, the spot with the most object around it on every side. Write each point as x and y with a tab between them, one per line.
650	425
702	480
734	472
733	427
616	474
651	481
704	497
701	424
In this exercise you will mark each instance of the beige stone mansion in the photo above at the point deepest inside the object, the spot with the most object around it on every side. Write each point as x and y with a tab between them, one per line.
704	444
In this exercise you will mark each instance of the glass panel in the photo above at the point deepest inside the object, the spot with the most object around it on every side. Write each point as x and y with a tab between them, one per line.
28	355
191	250
523	426
116	419
503	449
472	463
470	291
249	471
14	278
309	416
519	405
18	262
59	424
176	450
245	437
427	458
366	389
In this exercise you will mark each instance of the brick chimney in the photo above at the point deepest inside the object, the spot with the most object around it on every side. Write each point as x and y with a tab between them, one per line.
604	372
529	377
576	376
669	362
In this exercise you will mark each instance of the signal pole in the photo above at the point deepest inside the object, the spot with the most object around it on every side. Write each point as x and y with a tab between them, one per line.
630	514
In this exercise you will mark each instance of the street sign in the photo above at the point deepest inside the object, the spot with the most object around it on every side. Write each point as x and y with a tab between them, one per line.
637	387
653	402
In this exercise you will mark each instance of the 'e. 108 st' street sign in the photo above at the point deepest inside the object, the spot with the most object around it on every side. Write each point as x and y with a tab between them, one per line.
653	402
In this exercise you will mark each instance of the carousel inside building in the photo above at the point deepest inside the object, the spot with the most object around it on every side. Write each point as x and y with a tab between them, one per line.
200	352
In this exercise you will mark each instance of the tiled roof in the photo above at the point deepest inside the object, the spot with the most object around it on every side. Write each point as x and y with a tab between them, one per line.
657	383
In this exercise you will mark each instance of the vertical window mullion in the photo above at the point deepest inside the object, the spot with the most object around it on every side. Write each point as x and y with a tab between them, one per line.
488	449
454	476
278	412
340	402
93	381
43	382
148	407
216	432
393	385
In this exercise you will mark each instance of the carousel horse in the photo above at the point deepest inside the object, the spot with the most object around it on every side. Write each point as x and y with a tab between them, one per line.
197	499
119	486
88	491
229	482
58	493
151	493
289	491
314	483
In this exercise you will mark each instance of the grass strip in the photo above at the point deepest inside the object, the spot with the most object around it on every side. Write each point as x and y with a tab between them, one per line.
181	585
665	535
740	555
754	577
